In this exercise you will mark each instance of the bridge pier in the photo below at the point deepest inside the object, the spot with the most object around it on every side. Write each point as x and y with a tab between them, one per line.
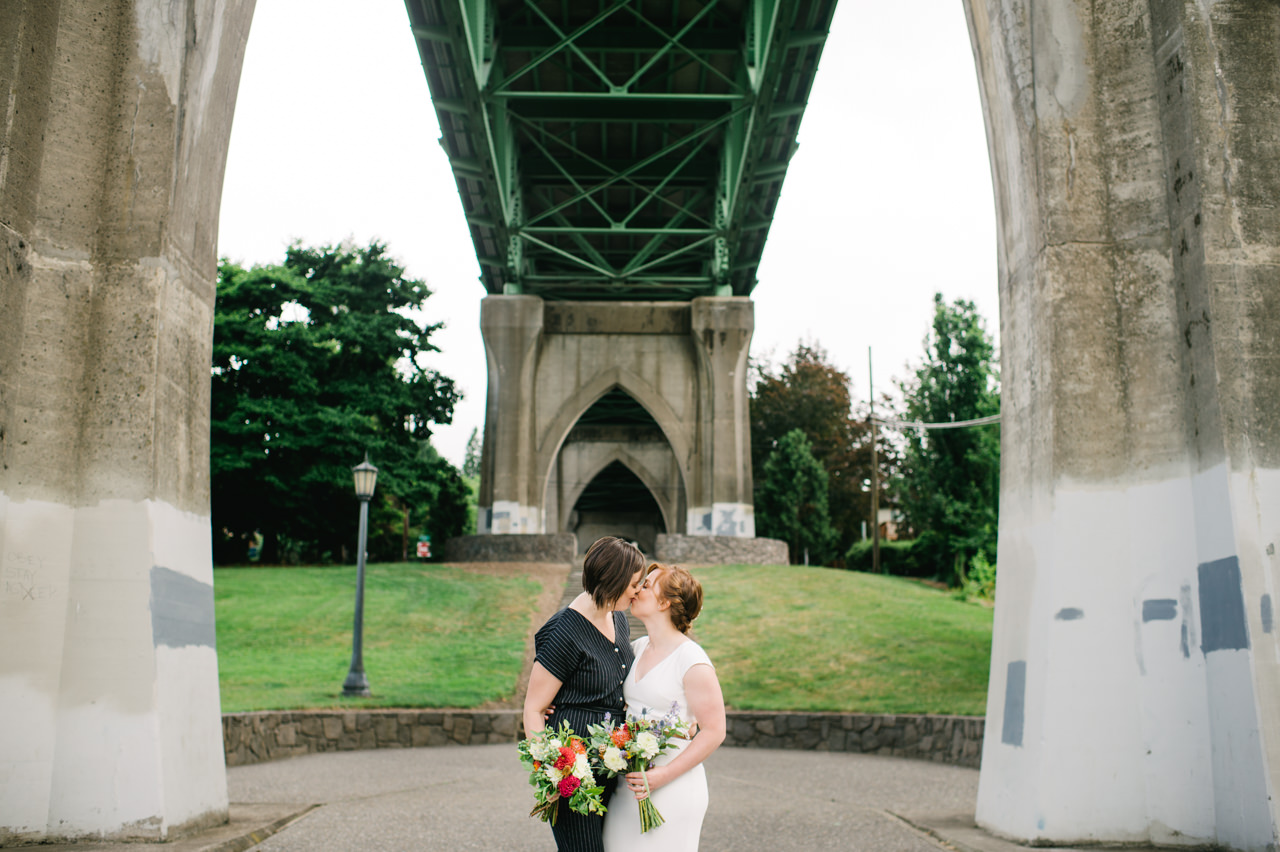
644	403
1135	664
114	144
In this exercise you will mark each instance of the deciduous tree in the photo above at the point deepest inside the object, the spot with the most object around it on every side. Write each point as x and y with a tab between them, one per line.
317	362
810	394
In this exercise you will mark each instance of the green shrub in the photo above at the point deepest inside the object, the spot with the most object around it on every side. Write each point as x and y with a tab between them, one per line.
979	582
901	558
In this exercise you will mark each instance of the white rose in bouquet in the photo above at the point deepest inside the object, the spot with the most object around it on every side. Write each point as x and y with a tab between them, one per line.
613	759
647	744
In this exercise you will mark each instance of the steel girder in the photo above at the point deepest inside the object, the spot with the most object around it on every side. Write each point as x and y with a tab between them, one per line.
619	149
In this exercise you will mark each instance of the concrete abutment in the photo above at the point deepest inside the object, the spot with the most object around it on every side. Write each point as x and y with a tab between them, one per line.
683	363
1139	250
111	163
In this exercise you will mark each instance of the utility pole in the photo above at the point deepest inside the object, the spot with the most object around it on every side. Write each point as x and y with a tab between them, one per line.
875	471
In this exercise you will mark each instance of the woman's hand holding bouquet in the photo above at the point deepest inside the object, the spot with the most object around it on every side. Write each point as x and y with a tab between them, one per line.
632	747
561	767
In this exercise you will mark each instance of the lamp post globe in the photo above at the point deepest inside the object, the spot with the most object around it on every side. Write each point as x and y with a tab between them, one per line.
365	476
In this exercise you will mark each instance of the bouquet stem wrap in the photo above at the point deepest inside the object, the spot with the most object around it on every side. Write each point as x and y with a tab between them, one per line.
649	816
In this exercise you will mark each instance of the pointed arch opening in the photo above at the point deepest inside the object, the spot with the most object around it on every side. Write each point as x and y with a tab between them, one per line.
617	502
615	473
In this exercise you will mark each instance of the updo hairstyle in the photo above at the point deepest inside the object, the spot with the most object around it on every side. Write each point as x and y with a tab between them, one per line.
610	565
682	592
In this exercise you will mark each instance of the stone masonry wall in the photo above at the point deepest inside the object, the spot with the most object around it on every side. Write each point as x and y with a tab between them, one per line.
720	550
257	737
555	547
943	739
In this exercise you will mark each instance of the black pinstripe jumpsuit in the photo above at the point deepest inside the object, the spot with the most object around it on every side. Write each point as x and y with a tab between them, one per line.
591	670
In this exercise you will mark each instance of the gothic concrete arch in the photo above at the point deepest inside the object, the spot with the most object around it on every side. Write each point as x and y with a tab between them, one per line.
651	481
572	409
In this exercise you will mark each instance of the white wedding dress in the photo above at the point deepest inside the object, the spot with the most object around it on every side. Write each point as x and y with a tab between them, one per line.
683	802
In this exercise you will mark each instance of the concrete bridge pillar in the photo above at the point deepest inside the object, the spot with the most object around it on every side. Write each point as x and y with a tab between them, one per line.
722	502
111	161
682	365
1136	659
509	500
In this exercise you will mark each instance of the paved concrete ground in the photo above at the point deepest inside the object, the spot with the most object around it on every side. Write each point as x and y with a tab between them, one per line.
476	798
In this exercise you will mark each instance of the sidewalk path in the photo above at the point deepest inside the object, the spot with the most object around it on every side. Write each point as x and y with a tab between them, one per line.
476	798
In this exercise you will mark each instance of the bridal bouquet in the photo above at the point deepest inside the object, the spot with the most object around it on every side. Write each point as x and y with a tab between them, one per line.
560	768
632	746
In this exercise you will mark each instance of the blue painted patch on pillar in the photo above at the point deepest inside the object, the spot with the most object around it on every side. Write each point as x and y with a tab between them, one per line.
1069	613
1267	624
181	610
1015	696
1222	614
1159	609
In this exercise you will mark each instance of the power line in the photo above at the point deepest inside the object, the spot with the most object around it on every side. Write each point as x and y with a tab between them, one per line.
954	424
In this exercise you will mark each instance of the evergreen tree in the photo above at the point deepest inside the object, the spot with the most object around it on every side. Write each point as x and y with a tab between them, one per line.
792	501
950	483
471	463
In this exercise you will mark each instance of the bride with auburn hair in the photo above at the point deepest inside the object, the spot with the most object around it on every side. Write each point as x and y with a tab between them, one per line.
671	671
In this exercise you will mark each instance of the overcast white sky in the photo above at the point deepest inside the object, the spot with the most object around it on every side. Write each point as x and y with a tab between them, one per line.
887	202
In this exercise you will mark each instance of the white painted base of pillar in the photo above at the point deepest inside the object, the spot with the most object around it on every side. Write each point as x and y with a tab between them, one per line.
110	724
730	519
506	517
1128	663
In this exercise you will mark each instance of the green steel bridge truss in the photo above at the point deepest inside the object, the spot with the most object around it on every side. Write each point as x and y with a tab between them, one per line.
619	149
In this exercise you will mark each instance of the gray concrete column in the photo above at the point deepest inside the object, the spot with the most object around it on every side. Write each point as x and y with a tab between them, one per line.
510	499
720	499
111	163
1134	663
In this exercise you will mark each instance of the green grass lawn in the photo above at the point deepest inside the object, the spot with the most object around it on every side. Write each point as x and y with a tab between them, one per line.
438	636
434	636
818	639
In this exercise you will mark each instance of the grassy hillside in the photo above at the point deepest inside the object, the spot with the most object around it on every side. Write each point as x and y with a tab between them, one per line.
816	639
434	635
440	636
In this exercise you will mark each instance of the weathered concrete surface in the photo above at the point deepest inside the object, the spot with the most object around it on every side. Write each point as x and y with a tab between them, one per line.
684	362
112	150
1135	671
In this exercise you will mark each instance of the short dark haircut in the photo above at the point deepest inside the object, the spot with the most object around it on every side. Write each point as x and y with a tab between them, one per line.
610	565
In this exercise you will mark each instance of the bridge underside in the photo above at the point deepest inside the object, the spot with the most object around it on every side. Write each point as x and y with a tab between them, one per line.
626	150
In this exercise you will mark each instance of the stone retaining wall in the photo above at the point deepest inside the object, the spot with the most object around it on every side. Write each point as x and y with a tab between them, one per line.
555	547
945	739
256	737
719	550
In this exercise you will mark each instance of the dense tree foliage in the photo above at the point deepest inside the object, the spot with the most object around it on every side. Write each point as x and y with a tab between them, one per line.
950	483
791	502
810	394
316	362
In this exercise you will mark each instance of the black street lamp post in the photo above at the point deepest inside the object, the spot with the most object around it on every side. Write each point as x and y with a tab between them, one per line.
366	478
